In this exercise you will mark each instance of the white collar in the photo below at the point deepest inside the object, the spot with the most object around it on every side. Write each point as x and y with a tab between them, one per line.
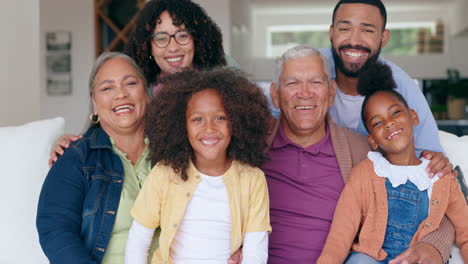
398	175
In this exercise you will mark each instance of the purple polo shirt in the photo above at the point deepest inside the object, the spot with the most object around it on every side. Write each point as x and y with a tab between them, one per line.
304	186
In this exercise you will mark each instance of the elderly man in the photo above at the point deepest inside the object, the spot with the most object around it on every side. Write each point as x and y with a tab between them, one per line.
310	160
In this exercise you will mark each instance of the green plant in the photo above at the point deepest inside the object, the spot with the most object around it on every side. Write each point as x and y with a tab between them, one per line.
456	87
438	108
437	90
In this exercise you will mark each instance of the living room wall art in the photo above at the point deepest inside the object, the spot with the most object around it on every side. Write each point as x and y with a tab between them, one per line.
58	59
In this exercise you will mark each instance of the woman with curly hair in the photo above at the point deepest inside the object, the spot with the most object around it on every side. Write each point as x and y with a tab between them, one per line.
206	193
171	35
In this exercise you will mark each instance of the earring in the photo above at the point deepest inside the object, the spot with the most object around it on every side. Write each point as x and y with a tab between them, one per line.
150	57
94	118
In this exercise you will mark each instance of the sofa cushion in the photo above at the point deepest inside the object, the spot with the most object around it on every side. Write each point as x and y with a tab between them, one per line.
455	148
24	153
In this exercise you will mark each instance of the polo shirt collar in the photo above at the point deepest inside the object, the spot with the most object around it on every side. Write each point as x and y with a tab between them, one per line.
323	146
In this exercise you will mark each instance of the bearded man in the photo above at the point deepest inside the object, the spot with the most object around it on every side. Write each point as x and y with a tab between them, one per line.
357	35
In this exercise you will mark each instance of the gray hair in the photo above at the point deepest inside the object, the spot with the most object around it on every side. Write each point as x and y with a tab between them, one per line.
103	58
297	52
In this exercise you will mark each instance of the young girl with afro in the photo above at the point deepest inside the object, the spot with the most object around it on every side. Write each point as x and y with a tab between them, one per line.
389	202
208	138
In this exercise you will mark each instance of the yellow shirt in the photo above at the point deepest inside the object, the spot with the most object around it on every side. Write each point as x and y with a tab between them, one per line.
164	197
134	178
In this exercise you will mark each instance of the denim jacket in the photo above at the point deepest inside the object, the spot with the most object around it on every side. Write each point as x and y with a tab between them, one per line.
79	201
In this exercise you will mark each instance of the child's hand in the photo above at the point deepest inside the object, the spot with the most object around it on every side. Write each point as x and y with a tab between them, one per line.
62	143
439	165
419	253
236	258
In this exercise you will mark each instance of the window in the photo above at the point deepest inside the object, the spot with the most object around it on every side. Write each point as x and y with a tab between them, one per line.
406	38
281	38
414	38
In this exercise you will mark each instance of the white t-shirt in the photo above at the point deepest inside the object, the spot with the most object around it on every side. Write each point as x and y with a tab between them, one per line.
343	111
204	235
205	231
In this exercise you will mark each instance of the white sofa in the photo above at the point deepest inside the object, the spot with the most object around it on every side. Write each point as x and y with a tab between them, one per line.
456	149
24	153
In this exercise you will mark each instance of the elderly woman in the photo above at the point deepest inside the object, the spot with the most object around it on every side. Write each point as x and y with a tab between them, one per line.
83	214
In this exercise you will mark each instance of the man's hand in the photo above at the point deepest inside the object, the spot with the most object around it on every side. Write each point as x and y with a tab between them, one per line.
421	253
60	145
439	165
236	258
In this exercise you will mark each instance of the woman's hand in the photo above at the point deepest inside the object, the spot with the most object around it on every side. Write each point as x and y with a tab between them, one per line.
60	145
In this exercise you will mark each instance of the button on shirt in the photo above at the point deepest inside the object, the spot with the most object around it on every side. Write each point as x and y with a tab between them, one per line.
304	186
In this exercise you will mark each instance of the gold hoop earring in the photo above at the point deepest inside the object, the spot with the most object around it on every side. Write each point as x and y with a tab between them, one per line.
94	118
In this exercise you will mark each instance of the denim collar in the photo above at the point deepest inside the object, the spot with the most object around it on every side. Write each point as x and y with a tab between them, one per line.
99	138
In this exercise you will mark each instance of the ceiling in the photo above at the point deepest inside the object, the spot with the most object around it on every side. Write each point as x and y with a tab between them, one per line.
332	2
317	5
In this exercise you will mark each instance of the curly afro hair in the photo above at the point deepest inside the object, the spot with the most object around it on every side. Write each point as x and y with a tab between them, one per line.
207	37
245	105
376	77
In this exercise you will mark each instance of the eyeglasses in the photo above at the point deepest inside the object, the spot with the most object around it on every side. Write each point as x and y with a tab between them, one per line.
161	40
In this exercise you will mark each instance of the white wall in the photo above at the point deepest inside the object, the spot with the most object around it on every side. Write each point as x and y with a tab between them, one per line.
241	33
219	11
22	69
459	18
76	17
459	55
19	66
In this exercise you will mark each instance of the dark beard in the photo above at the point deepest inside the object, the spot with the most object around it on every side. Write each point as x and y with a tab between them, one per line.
353	73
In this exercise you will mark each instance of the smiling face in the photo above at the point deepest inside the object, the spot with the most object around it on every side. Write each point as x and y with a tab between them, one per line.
174	57
208	129
390	124
304	96
356	36
119	97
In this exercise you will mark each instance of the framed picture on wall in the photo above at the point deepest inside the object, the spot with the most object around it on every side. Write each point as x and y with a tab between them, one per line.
58	62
